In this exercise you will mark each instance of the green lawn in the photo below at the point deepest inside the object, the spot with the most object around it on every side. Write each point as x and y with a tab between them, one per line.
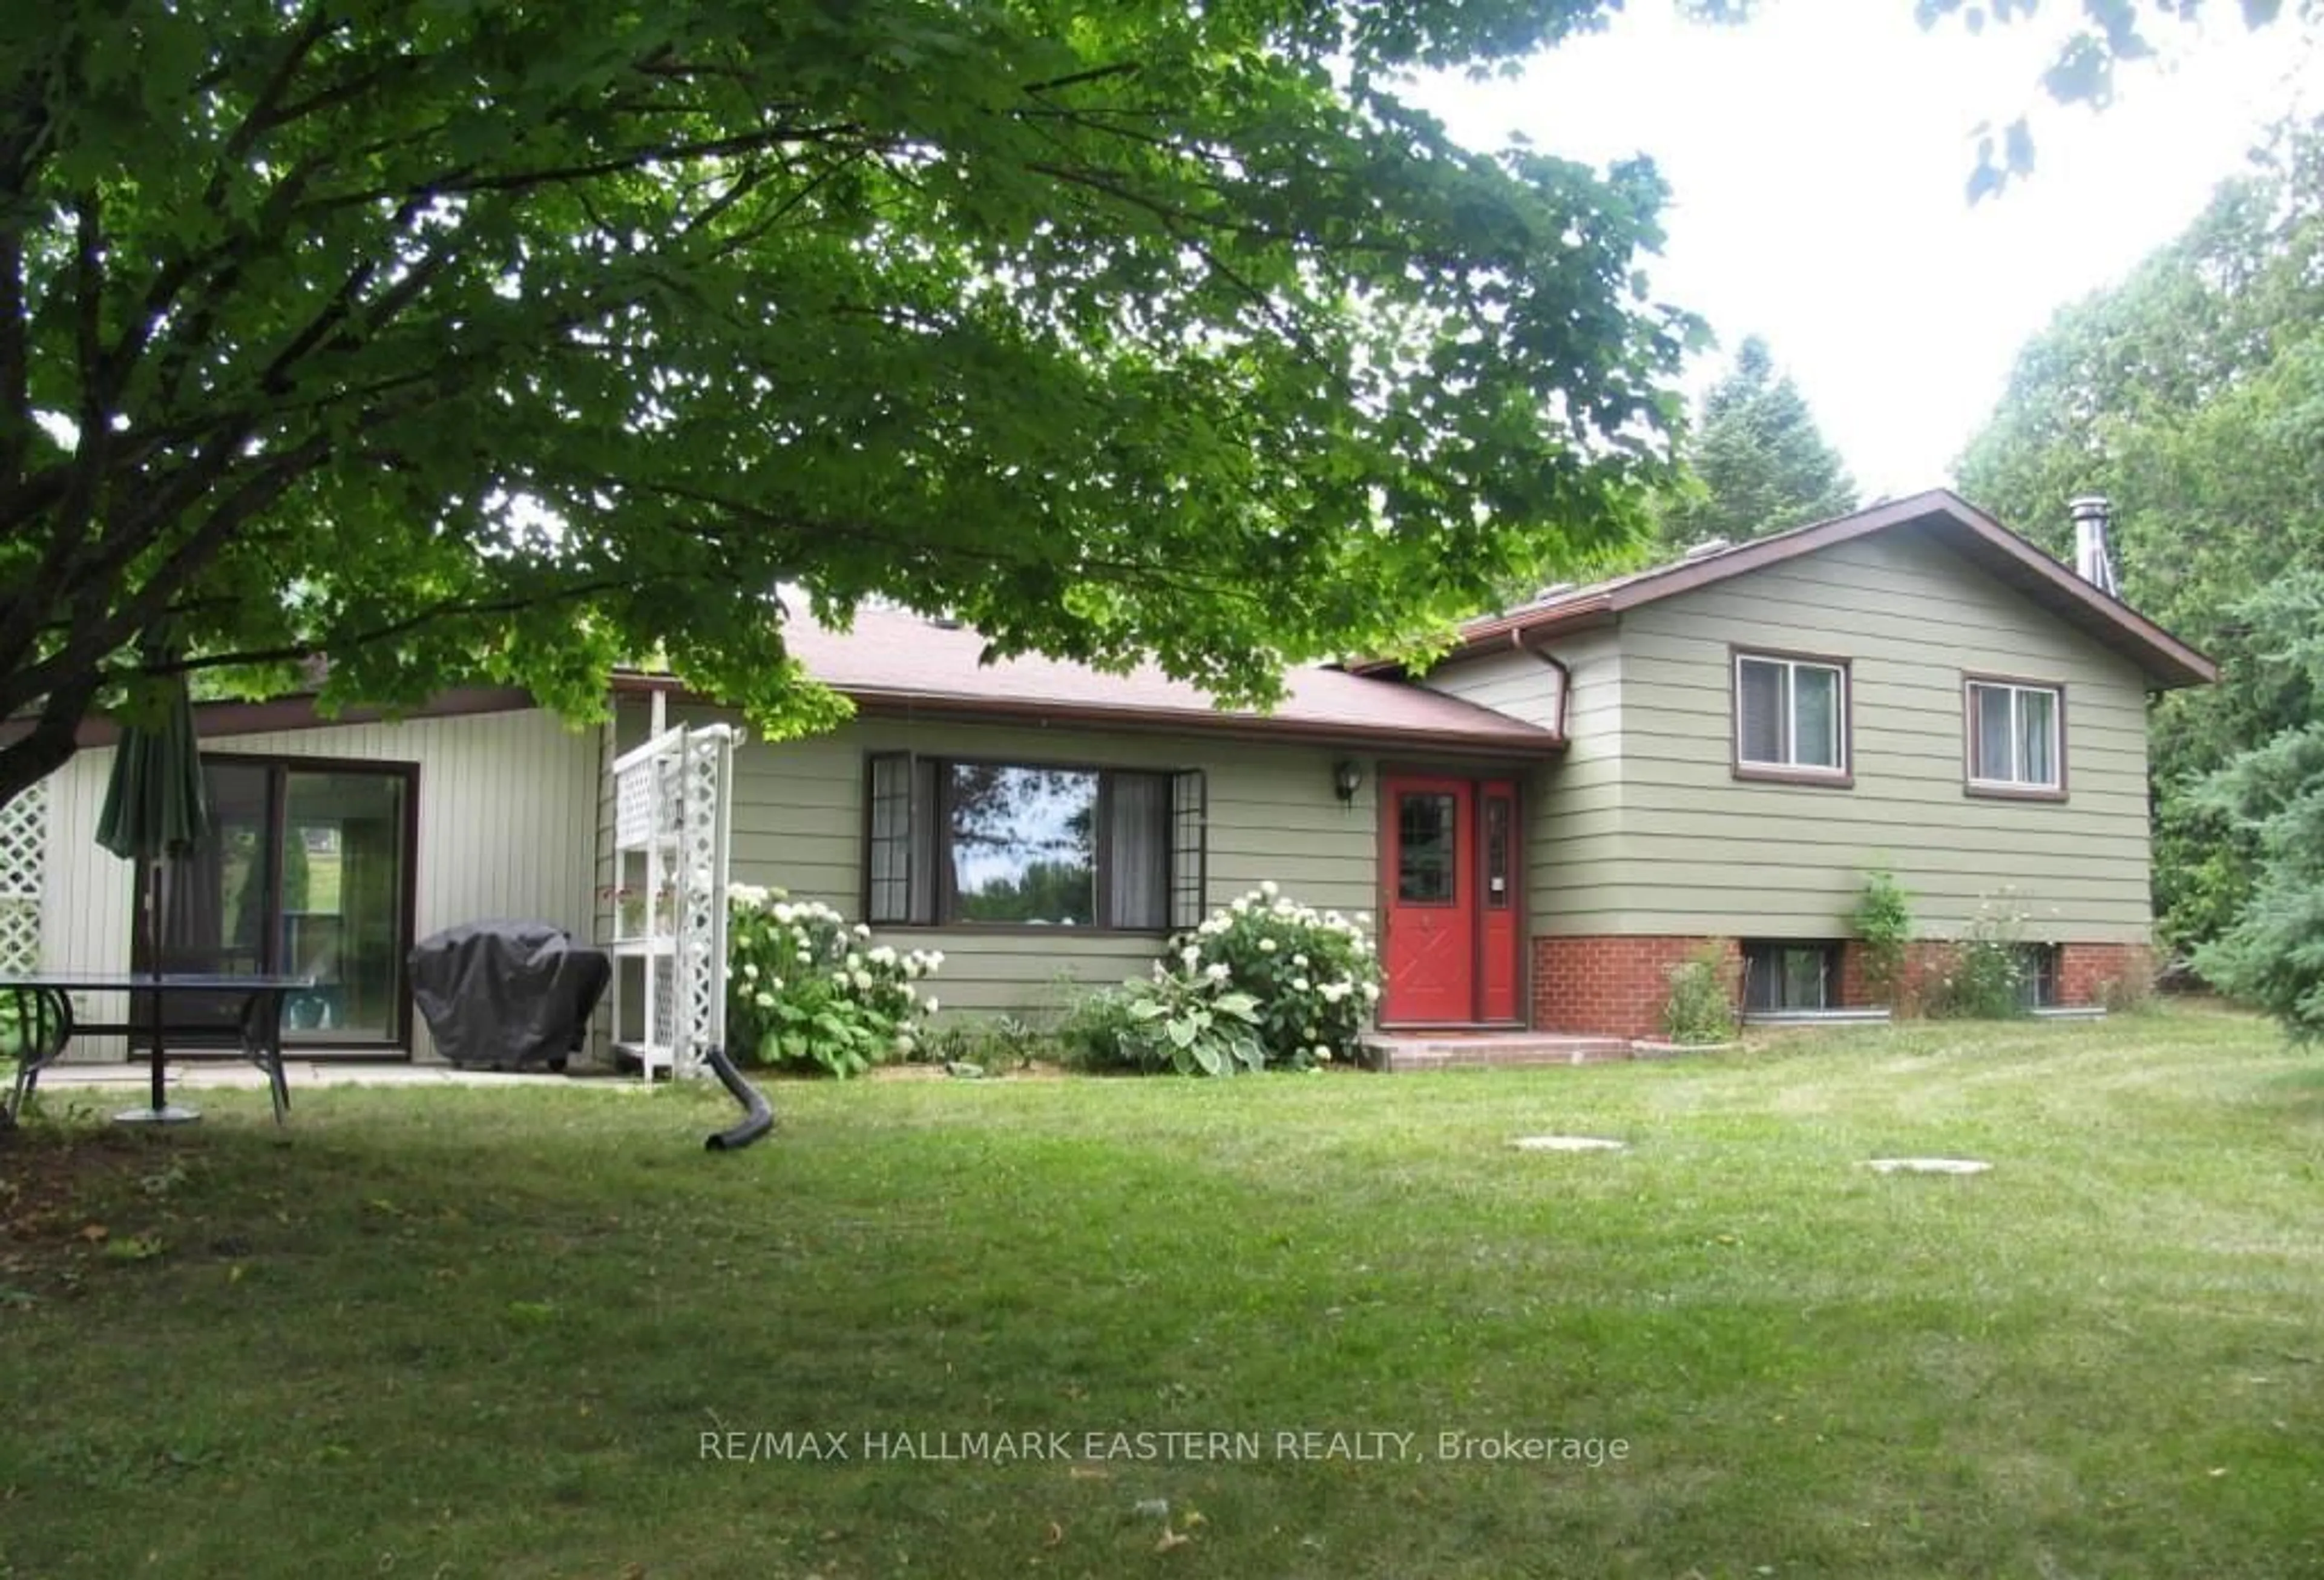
484	1331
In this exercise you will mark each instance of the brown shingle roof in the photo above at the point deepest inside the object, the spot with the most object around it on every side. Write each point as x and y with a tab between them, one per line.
897	663
1944	516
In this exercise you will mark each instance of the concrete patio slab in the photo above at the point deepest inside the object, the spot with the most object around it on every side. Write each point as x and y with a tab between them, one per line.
304	1073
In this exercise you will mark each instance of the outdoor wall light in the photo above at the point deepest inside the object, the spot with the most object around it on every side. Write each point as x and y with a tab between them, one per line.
1347	778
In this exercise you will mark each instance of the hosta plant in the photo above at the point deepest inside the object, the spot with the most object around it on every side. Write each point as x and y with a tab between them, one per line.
806	989
1311	976
1194	1024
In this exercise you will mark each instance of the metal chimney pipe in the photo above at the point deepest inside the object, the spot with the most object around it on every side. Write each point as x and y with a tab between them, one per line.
2093	561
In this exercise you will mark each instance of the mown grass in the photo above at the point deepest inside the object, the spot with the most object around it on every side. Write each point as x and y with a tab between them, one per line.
483	1332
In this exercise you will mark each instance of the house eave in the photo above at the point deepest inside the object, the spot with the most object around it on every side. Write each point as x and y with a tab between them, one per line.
887	703
1950	519
1512	744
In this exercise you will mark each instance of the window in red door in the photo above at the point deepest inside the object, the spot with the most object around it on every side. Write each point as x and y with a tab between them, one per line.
1427	842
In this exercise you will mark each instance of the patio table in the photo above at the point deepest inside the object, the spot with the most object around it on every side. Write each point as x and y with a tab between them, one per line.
42	1002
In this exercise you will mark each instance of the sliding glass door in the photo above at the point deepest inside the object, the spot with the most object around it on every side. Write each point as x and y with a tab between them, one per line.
307	871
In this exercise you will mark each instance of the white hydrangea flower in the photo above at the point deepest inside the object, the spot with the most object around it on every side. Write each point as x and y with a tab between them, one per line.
1301	985
1191	957
1217	971
1266	945
855	961
840	977
785	913
806	957
863	980
1324	1053
1270	890
882	956
1363	919
1334	992
1241	905
862	931
908	990
774	984
750	971
763	999
934	1005
750	895
1299	960
1371	992
935	959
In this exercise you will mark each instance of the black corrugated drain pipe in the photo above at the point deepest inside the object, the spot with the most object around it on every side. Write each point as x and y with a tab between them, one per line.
758	1118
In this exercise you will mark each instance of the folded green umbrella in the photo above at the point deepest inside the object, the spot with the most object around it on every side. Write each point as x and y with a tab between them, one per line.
156	810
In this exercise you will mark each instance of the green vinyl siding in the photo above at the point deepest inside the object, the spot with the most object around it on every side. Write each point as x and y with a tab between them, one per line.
1693	850
799	825
1574	803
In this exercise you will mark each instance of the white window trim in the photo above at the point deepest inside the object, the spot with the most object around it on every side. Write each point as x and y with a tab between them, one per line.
2056	782
1791	667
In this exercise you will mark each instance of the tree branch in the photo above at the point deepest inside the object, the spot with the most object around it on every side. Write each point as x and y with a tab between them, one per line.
445	609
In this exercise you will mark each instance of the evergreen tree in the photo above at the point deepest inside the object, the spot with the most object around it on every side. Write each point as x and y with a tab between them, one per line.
1759	459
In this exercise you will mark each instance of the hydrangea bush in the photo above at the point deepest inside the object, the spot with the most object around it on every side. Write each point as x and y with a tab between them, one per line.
1283	987
805	990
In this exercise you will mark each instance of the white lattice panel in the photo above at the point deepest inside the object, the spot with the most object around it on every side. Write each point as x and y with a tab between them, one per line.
702	773
662	1029
633	807
23	855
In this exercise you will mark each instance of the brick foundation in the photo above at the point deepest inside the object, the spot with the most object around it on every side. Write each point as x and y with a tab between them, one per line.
1616	986
2087	974
2092	973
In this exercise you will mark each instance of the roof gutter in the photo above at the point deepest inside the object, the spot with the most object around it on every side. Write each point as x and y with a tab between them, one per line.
1255	726
1580	613
1521	639
877	702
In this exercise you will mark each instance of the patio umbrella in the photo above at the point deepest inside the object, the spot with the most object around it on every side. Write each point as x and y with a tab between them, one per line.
156	811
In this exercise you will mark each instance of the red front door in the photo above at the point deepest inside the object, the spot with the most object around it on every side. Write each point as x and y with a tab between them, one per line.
1449	943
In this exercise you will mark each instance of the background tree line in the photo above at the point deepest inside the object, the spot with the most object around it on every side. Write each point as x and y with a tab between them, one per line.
2193	396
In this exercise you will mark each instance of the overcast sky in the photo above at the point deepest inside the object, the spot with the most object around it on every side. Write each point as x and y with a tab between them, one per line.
1817	156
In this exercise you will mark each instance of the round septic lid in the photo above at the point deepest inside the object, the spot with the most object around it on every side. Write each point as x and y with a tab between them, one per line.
1928	1165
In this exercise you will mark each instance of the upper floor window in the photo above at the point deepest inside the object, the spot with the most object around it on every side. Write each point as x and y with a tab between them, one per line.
1791	718
2016	738
1025	845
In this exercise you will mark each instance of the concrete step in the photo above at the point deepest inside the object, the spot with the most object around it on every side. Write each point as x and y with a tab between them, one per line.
1405	1051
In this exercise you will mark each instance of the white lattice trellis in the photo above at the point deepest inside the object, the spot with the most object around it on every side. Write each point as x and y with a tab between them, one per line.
706	766
671	824
24	857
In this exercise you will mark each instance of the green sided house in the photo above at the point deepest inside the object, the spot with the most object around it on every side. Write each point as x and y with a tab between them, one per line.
1585	790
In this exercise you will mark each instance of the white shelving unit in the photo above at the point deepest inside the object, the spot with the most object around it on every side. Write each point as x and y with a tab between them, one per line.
671	834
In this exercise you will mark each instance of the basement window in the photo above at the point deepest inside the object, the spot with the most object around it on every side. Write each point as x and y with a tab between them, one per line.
2037	976
1783	973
